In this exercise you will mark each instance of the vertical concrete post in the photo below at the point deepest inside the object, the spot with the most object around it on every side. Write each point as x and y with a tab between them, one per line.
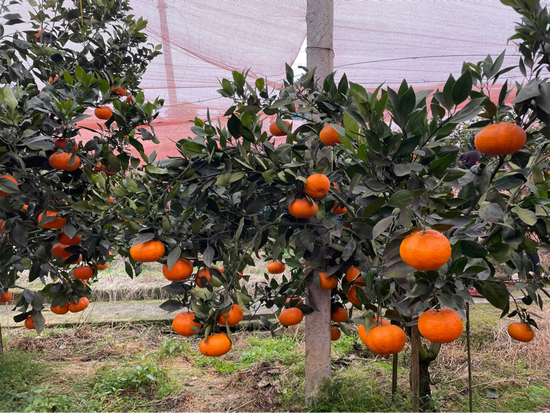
167	53
320	17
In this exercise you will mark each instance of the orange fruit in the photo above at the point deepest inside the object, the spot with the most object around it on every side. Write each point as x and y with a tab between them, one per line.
119	91
73	263
83	273
291	316
352	275
81	305
275	131
521	332
53	79
6	296
334	333
58	250
184	322
295	300
61	161
340	315
500	139
327	283
38	37
302	208
233	316
215	345
386	340
60	310
11	178
29	323
64	239
352	295
443	326
149	251
364	336
425	250
203	272
130	100
100	167
329	136
338	210
317	186
181	270
103	112
60	143
57	223
275	267
102	267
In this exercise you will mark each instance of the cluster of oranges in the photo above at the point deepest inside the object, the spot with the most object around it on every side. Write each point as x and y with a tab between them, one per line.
184	323
316	187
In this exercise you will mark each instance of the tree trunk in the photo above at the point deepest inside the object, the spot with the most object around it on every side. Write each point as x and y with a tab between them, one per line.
426	355
1	342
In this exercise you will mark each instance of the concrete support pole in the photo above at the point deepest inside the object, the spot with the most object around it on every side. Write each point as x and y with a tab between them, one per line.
320	55
167	53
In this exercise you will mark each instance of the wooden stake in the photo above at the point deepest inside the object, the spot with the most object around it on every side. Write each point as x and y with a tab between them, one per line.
394	376
470	396
415	368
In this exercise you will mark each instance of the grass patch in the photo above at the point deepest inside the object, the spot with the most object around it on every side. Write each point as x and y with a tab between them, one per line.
20	374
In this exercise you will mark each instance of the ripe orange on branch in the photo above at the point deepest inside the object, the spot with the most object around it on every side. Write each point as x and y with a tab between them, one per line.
62	160
352	275
352	295
521	332
215	345
11	178
29	323
181	270
233	316
425	250
443	326
291	316
64	239
83	273
58	250
329	136
60	310
81	305
103	112
327	283
275	267
203	272
385	340
339	315
500	139
302	208
6	296
317	186
275	131
57	223
183	324
149	251
334	333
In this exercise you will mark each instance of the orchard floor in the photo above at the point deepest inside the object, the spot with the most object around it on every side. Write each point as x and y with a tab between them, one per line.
140	366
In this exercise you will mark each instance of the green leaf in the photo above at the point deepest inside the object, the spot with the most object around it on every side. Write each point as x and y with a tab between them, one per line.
401	199
197	225
462	88
80	206
9	97
473	249
527	216
500	251
381	226
156	170
495	293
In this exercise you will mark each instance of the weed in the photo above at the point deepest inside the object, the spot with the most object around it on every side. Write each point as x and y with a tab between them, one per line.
263	349
141	377
343	395
173	347
39	400
221	365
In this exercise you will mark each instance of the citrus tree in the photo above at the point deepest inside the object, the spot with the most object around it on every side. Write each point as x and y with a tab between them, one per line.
59	207
373	218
